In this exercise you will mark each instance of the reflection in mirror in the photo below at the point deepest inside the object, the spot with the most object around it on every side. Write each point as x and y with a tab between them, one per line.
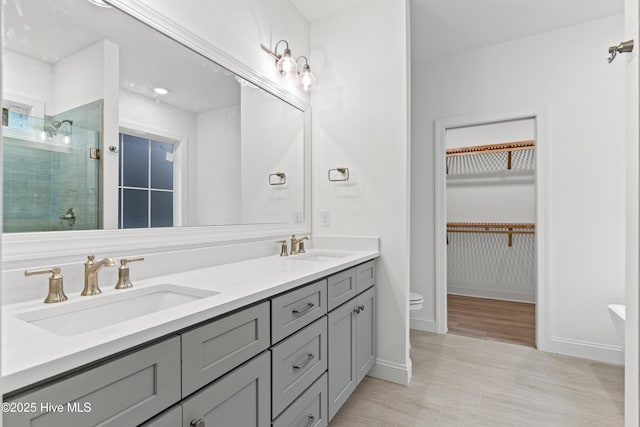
182	140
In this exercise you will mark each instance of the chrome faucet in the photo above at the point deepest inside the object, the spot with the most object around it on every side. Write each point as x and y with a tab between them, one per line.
91	269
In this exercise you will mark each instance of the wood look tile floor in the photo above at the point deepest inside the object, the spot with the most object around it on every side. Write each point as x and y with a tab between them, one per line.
464	381
507	321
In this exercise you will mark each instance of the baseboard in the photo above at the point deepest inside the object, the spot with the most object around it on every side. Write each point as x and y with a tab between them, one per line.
423	324
504	296
587	350
391	371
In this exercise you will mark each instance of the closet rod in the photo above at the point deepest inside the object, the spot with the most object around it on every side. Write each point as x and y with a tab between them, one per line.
492	148
491	228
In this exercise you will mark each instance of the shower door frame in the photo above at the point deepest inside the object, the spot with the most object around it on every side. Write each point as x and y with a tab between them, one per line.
539	116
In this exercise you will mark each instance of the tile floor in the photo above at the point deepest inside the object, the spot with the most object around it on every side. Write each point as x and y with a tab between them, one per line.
463	381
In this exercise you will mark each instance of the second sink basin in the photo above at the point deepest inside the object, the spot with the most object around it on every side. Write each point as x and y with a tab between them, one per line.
105	310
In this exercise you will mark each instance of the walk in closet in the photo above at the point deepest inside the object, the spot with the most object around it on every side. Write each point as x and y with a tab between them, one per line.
491	265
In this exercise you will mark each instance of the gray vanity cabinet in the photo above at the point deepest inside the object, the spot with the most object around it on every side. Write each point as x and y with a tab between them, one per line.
352	343
123	392
365	333
211	350
240	398
342	355
309	410
341	287
169	418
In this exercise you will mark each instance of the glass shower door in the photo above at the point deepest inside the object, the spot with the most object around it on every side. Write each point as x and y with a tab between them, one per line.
50	181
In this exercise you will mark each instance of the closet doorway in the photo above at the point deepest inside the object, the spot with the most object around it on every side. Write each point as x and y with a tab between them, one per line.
489	206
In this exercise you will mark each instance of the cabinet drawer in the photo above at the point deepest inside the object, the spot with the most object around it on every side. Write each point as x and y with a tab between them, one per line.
170	418
365	276
240	398
296	309
211	350
341	287
309	410
296	363
123	392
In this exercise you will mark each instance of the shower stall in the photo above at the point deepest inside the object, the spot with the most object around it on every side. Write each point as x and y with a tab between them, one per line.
51	170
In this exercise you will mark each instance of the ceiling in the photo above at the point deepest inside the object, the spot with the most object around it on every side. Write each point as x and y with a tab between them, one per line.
316	10
443	27
53	30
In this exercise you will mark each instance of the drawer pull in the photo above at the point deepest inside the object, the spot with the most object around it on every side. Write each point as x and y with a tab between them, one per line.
311	419
360	308
304	309
305	362
197	423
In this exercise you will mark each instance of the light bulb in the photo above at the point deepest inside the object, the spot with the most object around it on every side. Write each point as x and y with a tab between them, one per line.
307	81
287	66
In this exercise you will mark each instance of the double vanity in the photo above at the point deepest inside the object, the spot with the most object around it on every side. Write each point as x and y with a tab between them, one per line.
279	341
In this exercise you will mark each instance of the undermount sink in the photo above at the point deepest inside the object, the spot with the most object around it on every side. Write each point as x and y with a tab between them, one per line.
105	310
320	256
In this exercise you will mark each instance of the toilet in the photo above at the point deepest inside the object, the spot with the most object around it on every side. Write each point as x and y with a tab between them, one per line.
415	301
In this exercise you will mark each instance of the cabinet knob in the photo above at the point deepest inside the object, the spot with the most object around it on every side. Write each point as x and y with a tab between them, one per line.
197	423
310	420
360	308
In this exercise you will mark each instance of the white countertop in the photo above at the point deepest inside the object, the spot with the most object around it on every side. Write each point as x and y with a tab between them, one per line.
31	354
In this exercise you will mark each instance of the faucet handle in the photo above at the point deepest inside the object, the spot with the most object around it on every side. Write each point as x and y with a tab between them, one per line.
56	290
283	248
124	281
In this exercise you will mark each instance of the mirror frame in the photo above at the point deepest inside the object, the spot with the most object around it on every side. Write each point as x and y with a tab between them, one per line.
23	249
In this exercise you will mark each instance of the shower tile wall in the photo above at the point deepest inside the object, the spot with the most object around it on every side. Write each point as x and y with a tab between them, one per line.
42	182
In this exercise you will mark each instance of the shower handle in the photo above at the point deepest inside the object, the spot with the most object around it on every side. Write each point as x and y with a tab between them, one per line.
624	47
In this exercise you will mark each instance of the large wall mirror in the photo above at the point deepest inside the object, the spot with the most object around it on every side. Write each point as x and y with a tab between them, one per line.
108	123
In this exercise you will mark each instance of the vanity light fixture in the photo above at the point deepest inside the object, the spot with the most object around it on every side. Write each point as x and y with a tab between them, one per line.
161	90
285	64
288	67
99	3
306	79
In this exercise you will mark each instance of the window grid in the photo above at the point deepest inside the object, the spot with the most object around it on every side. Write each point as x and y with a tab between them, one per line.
149	189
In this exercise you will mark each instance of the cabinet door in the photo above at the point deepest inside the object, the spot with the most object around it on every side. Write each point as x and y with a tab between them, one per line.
214	349
366	333
341	287
122	392
240	398
342	355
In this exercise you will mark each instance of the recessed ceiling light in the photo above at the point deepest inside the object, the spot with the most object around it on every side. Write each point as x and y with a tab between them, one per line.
160	90
100	3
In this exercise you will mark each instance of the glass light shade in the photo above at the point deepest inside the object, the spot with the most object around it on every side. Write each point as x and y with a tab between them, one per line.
306	80
287	66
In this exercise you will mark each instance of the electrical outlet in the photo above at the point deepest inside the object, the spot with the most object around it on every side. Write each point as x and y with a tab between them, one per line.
325	219
298	216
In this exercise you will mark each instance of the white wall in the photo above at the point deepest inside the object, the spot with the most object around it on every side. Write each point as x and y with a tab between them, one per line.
272	141
218	167
360	121
239	27
27	79
584	97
